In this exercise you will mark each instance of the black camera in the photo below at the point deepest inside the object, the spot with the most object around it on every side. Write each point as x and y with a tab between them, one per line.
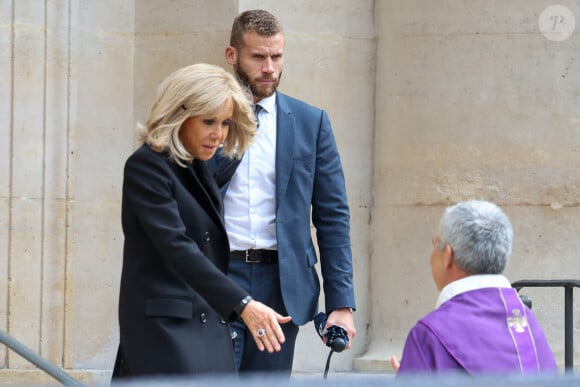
337	336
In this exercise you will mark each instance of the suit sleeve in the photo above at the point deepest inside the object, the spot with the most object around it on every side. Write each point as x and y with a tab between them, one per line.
331	217
148	190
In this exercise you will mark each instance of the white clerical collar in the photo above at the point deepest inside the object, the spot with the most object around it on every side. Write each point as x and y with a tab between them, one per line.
268	103
472	282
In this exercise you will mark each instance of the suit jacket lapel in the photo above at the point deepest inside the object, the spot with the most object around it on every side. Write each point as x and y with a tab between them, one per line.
285	133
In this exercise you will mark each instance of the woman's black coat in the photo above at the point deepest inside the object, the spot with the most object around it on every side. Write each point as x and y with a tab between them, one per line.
175	297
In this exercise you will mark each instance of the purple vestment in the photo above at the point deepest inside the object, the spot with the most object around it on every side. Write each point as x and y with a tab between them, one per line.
483	331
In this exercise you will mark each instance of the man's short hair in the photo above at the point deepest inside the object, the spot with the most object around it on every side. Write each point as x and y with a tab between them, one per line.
257	20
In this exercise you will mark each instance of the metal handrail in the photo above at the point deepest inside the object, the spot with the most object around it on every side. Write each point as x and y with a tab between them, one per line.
568	286
38	361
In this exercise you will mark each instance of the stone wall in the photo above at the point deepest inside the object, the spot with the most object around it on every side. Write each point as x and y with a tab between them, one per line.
471	102
431	103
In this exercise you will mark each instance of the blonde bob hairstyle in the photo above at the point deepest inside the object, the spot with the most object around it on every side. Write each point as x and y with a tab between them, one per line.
192	91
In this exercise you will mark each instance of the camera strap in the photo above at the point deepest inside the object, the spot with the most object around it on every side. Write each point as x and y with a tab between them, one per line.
328	363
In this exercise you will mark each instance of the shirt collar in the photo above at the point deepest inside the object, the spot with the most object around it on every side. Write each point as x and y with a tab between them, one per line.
472	282
268	103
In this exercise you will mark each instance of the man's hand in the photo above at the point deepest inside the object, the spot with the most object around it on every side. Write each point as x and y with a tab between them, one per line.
342	318
395	363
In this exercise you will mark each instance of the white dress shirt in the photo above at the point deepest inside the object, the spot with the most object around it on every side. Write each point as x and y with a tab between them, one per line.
250	201
472	282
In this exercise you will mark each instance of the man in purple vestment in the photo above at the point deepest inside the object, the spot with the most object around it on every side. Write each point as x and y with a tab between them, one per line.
480	325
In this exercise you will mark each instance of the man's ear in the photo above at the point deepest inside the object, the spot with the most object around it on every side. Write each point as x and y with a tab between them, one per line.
448	257
231	55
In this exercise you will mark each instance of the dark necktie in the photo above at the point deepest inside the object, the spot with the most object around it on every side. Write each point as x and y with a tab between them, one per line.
257	110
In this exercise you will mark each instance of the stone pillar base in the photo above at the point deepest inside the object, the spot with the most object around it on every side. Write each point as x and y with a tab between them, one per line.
377	359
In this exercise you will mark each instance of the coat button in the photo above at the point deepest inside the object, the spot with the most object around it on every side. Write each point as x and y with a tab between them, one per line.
206	236
222	321
203	318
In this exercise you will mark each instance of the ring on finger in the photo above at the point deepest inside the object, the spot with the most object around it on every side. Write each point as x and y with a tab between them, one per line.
261	332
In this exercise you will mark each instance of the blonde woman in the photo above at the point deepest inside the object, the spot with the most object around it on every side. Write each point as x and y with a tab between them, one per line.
175	298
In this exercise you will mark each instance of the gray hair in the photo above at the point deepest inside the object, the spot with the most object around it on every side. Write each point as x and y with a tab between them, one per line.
480	235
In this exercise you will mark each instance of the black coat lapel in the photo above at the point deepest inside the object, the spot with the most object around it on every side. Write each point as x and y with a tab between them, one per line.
223	168
198	181
201	171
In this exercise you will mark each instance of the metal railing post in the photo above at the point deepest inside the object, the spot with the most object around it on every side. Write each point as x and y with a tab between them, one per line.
568	286
38	361
568	327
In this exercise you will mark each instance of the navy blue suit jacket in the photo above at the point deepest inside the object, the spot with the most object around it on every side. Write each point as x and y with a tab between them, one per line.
309	177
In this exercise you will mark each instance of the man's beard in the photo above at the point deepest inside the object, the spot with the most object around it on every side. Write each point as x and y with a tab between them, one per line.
257	93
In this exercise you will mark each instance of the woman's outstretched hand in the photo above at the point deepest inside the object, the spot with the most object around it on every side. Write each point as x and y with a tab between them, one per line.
263	323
